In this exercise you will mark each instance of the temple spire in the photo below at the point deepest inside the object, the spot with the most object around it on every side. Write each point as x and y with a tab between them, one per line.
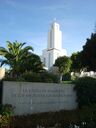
54	46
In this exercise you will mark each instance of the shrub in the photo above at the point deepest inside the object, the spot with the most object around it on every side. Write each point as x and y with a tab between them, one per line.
31	77
8	78
40	77
49	77
6	116
66	77
35	77
6	109
86	91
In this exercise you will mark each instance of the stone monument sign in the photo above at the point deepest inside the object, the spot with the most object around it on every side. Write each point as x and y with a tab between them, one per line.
28	98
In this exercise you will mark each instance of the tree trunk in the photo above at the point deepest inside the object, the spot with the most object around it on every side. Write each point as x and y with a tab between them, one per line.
61	75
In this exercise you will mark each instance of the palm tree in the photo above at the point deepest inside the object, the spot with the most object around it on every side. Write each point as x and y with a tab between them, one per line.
15	55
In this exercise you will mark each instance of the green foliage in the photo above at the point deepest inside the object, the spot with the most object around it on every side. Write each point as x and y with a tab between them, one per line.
66	77
76	61
67	82
33	63
49	77
86	91
6	116
74	77
15	55
89	53
41	77
45	77
88	112
64	64
4	121
20	59
6	109
31	77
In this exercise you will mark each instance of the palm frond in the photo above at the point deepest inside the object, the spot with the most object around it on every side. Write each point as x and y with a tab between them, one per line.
3	51
6	62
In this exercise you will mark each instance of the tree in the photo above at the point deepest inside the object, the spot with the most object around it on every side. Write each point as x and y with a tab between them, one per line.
64	64
76	61
33	63
15	55
89	53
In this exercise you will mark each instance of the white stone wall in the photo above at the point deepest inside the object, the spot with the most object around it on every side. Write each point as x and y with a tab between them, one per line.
31	98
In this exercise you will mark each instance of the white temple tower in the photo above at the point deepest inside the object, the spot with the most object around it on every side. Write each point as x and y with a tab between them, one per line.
54	46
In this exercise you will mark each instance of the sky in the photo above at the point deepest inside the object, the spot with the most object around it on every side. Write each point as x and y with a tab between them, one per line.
29	21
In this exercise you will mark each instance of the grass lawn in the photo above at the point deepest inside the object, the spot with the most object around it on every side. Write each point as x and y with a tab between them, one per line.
67	82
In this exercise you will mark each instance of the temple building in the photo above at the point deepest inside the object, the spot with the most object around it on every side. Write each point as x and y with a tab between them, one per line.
54	46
